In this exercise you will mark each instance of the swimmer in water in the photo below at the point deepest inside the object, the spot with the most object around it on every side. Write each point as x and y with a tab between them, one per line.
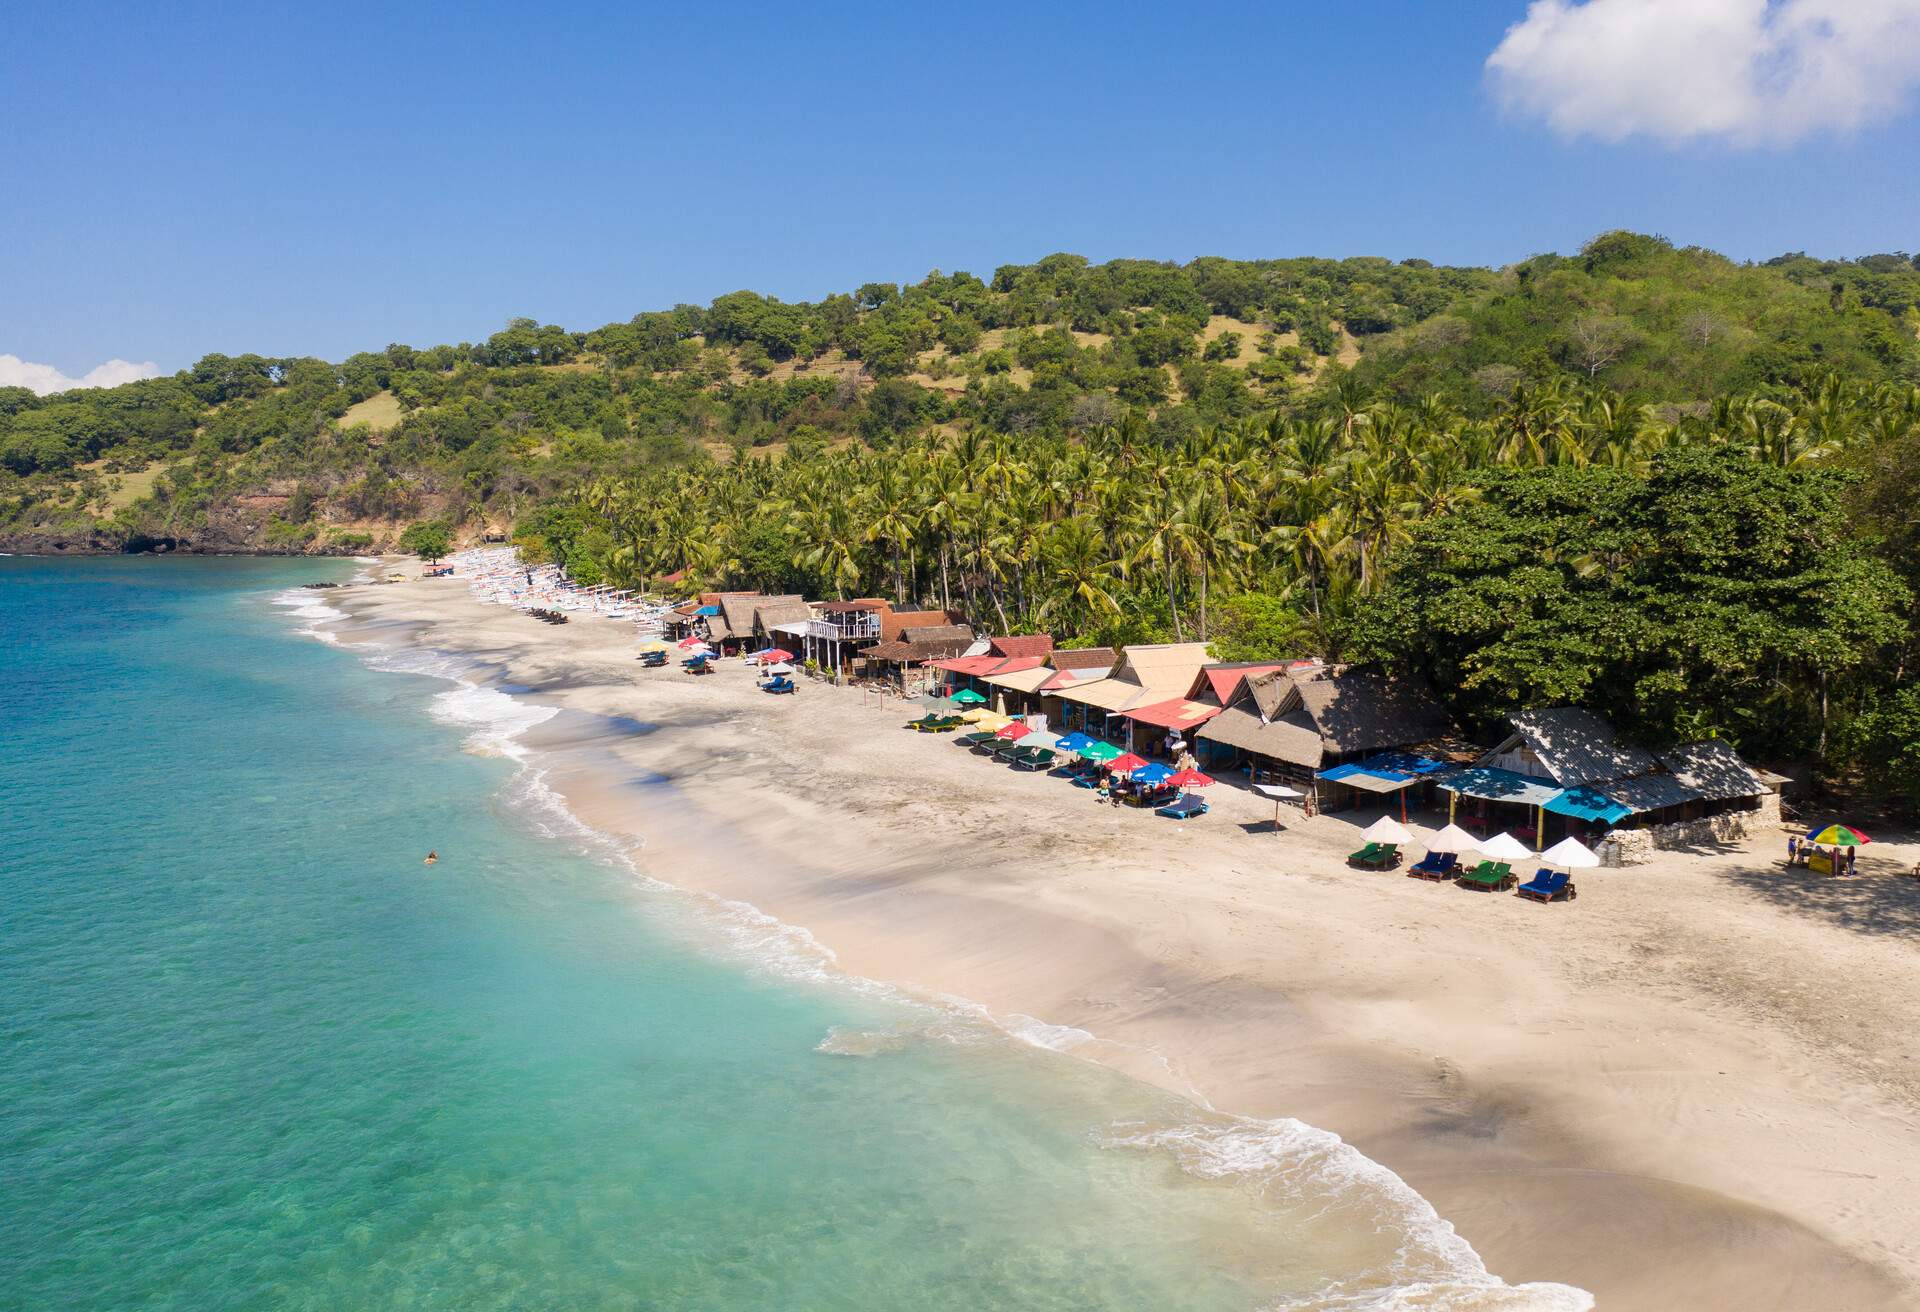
432	858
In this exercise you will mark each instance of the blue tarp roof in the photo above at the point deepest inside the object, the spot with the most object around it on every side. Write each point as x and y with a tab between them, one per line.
1586	804
1499	785
708	610
1402	763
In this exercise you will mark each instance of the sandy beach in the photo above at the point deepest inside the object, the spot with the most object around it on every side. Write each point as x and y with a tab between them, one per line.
1695	1087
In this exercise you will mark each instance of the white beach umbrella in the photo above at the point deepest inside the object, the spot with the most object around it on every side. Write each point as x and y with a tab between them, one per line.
781	668
1387	830
1505	847
1452	839
1570	854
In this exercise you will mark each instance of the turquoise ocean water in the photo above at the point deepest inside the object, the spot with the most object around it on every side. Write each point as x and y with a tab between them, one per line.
255	1055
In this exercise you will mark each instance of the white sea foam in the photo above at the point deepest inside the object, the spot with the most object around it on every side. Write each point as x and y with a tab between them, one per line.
497	719
1289	1162
306	605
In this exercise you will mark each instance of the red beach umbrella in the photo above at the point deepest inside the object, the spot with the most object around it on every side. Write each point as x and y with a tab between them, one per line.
776	654
1189	779
1126	764
688	644
1014	732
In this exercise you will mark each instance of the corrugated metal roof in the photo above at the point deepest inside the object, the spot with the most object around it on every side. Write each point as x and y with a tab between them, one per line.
1499	785
1578	747
1714	770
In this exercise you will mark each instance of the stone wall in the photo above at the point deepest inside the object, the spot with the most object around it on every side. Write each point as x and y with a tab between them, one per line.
1636	847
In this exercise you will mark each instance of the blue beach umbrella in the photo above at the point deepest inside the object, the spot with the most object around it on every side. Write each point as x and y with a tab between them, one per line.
1152	774
1073	742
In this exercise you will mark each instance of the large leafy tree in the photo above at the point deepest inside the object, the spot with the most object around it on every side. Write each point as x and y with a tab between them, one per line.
1717	595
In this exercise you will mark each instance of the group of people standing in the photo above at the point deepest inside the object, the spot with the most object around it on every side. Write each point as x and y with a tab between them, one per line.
1841	861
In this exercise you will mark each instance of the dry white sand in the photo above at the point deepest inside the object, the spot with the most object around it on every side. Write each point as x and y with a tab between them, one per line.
1693	1088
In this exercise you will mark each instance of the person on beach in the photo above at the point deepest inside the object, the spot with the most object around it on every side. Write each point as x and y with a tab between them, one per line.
433	858
1793	850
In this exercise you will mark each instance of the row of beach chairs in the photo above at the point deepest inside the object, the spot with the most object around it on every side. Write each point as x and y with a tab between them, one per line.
1487	877
1170	803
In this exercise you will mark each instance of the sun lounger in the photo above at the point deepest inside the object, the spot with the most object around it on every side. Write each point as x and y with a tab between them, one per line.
780	686
1183	808
1004	748
1376	856
974	739
1548	886
1488	877
1434	865
1034	758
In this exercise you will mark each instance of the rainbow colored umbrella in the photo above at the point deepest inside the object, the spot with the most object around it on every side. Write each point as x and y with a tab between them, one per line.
1837	836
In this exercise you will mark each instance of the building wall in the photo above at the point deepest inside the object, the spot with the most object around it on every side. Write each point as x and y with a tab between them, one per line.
1639	847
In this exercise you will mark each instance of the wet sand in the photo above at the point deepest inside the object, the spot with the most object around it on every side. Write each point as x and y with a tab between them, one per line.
1695	1087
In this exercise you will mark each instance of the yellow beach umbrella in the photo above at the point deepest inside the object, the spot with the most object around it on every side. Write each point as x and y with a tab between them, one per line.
654	644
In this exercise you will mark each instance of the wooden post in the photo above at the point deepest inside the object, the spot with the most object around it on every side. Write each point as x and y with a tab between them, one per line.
1453	800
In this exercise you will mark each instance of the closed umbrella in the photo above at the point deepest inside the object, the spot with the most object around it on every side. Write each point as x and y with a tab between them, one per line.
1279	793
1387	830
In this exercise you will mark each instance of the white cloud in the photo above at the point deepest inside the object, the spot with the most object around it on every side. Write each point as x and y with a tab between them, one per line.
44	378
1749	72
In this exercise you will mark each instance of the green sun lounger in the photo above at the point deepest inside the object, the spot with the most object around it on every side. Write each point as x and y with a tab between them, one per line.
1488	877
1376	856
1034	758
973	739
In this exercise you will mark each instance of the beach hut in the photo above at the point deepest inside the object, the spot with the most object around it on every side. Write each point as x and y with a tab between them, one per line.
1167	728
1141	675
1306	718
1567	764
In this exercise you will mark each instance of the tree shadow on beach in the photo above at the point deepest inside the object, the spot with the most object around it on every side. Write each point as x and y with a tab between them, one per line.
1873	903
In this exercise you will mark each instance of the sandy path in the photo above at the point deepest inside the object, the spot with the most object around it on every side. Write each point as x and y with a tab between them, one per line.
1696	1087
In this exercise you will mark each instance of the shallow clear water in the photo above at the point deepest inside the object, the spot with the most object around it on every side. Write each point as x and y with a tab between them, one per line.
257	1055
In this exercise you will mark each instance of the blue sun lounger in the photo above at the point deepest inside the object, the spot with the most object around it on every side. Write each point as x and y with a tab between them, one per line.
1184	807
1547	886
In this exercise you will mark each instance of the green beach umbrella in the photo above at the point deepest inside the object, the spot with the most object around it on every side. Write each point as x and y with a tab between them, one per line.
967	697
1099	751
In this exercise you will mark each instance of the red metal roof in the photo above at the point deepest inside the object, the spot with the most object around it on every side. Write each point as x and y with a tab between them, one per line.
968	664
1176	714
1012	664
1030	644
1225	679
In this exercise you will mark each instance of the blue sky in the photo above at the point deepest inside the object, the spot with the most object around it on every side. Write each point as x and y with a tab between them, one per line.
328	179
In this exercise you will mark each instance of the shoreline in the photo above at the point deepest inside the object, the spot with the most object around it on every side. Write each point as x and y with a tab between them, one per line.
1574	1122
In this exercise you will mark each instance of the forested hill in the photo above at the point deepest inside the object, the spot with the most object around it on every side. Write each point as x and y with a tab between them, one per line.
249	452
